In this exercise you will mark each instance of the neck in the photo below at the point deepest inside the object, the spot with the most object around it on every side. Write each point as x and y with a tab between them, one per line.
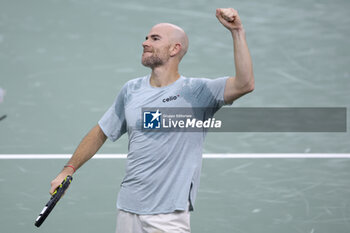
164	75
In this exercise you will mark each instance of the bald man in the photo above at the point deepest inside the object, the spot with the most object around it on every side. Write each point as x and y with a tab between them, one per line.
163	168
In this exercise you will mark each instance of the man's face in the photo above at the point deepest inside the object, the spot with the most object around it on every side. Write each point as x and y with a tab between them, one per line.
156	48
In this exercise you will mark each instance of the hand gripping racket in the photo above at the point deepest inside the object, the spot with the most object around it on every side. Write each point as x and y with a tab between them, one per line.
56	196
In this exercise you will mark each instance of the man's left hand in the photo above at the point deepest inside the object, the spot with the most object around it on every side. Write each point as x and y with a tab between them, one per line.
229	18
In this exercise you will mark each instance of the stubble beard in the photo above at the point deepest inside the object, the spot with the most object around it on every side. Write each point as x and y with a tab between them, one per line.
152	61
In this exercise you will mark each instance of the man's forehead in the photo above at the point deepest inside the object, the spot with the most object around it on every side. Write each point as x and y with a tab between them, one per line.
167	31
160	30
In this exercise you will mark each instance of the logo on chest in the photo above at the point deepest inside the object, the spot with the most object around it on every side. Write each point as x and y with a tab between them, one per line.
171	98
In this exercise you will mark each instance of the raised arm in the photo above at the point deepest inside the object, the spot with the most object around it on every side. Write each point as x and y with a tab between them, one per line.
243	82
87	148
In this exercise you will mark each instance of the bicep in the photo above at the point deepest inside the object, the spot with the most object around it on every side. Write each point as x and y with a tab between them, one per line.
234	91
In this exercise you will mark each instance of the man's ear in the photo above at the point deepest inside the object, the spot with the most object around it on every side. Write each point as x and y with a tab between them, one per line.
175	49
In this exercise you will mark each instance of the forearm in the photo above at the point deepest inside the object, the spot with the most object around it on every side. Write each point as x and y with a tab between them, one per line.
88	147
242	59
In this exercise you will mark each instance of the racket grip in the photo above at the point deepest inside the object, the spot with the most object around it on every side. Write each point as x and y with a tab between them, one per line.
53	200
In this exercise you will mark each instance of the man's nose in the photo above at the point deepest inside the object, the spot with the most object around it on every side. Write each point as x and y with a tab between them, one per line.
145	43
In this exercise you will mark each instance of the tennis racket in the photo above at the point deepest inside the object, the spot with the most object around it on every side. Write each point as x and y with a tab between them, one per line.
2	117
56	196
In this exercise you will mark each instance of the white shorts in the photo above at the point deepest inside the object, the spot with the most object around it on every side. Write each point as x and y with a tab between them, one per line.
177	222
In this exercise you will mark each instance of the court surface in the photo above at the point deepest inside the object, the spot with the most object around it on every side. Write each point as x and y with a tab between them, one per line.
63	62
236	195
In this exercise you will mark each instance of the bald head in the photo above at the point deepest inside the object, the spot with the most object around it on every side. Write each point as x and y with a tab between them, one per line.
175	34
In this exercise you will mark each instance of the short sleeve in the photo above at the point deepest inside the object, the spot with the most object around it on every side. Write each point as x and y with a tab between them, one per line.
210	92
113	122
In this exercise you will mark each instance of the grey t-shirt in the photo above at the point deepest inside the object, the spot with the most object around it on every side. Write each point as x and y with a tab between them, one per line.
163	168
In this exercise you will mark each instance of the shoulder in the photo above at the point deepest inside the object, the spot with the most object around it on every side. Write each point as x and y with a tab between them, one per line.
135	84
130	87
200	82
193	81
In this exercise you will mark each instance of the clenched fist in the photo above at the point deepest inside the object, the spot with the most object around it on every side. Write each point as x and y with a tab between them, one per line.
229	18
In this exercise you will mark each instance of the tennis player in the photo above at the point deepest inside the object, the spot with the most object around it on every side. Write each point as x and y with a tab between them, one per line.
163	169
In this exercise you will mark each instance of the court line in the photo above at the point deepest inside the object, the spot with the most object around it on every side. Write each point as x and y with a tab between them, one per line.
206	156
